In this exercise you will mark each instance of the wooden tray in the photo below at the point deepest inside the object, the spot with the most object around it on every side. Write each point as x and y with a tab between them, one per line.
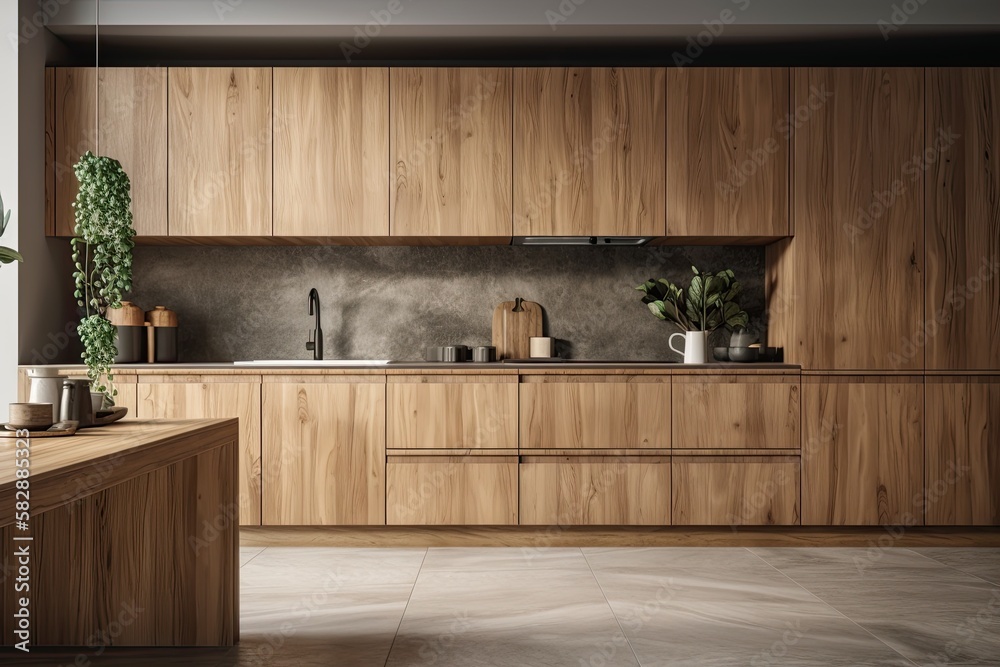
56	430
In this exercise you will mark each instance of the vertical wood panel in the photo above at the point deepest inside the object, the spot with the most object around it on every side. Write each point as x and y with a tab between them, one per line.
75	134
450	142
324	454
219	157
963	218
331	151
727	159
589	151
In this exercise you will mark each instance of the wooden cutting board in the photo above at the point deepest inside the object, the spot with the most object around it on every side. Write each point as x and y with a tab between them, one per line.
514	323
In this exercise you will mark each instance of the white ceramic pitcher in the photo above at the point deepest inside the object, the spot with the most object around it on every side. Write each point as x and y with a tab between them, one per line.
695	346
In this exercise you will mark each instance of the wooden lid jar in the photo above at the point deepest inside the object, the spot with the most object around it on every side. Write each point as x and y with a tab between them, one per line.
161	316
128	315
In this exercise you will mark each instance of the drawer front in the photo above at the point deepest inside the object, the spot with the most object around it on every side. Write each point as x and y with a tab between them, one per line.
451	491
595	415
735	491
735	413
444	415
595	491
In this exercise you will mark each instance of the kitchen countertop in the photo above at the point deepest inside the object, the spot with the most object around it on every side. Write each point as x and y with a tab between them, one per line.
467	366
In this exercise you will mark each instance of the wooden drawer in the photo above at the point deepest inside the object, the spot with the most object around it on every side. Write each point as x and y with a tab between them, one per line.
463	412
451	490
736	412
595	412
735	490
595	491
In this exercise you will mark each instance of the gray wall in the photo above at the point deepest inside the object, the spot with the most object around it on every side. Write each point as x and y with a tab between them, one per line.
391	303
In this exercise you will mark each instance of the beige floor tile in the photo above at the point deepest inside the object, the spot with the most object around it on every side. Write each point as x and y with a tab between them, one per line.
463	559
980	562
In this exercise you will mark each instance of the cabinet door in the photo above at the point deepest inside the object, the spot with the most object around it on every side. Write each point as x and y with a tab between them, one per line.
213	397
963	218
595	491
847	292
133	130
588	151
219	156
862	450
331	151
75	130
443	412
451	490
963	451
595	412
324	452
735	490
450	142
735	412
728	132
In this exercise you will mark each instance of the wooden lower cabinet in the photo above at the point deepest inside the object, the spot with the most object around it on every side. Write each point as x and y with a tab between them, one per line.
451	411
451	490
323	450
595	412
735	490
862	450
595	491
963	451
735	412
213	397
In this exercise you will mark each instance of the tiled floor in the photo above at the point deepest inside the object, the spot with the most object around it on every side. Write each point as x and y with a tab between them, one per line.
605	607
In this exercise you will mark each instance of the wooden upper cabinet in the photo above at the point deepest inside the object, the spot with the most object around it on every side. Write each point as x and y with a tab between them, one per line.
963	451
331	151
727	159
963	218
74	126
847	293
862	450
219	155
588	151
450	147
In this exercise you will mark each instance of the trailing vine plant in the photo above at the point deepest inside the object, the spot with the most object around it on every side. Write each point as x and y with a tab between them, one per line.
7	255
102	257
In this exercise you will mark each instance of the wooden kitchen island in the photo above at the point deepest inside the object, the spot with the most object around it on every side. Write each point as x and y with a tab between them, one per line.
132	536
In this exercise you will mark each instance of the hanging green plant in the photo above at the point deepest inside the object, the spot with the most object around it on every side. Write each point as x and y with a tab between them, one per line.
7	255
102	257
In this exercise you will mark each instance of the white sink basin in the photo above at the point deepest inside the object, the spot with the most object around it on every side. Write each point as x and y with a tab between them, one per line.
313	362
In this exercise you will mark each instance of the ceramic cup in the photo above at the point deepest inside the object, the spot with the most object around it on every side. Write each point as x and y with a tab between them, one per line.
541	347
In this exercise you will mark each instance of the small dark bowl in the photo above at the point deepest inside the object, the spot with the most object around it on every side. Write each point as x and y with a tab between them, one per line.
721	353
744	354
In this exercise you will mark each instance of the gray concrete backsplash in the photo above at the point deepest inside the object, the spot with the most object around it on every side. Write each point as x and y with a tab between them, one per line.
393	302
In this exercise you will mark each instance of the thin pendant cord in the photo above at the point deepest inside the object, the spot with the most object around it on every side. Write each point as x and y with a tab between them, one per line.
97	76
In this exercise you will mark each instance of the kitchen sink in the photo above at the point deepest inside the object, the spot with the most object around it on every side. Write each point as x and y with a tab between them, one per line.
313	362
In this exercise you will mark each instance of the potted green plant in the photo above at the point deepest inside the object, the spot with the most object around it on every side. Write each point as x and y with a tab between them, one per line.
102	257
7	255
708	303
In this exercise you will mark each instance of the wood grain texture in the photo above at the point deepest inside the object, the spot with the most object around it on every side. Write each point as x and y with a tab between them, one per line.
331	151
324	454
857	215
50	151
466	414
126	559
735	491
513	329
219	156
75	134
443	491
963	451
450	148
753	412
632	413
594	491
133	130
193	398
963	218
600	536
727	163
589	151
862	452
